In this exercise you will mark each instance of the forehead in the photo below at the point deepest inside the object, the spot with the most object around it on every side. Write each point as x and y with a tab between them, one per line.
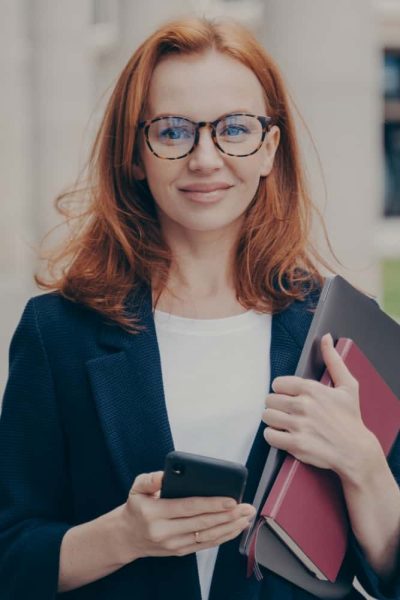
203	87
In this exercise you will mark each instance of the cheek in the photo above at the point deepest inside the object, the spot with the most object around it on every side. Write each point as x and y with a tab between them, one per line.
249	170
160	174
250	175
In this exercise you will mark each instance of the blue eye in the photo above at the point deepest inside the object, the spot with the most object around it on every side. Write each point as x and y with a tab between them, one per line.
171	134
234	130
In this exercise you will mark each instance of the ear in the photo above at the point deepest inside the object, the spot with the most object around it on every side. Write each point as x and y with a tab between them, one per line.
271	146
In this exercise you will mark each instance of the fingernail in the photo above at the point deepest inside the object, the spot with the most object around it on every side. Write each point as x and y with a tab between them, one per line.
229	504
248	511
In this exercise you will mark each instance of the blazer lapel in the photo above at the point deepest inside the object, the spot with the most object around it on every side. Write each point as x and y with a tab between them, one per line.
229	579
128	390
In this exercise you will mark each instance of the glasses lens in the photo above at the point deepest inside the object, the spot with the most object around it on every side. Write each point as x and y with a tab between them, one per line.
171	137
239	135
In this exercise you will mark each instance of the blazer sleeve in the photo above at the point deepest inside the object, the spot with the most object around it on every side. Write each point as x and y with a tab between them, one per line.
364	572
33	471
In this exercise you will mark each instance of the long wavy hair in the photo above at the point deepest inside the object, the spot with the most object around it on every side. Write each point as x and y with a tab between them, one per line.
115	242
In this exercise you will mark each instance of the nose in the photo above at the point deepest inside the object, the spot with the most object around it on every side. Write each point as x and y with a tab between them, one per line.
206	156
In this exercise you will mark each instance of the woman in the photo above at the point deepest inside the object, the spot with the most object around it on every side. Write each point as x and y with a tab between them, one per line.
187	290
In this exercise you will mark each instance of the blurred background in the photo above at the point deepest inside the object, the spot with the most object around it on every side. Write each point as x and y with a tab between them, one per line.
59	60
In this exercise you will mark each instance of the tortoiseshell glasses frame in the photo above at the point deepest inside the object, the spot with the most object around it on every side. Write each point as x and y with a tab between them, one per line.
265	122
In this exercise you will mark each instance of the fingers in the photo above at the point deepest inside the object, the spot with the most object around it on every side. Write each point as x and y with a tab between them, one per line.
282	440
281	402
173	508
290	385
278	419
214	535
338	371
164	527
147	483
211	521
291	405
210	537
226	538
177	534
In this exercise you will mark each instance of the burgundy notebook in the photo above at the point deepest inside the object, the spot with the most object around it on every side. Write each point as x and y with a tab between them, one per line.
305	506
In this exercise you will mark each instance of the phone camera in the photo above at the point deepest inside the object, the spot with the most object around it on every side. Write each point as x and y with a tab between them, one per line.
178	469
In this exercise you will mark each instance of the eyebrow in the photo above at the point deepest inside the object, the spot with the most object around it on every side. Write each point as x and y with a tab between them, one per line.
172	114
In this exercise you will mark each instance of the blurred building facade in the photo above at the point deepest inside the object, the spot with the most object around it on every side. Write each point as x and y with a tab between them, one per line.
59	61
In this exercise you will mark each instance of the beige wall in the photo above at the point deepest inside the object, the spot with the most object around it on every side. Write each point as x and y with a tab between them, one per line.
333	72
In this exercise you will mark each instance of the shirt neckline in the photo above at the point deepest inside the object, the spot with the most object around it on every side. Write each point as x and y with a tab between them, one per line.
176	323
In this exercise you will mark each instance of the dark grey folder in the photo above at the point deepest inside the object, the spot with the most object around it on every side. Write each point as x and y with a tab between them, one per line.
343	311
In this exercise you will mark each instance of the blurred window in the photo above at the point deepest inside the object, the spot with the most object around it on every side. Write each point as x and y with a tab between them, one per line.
392	132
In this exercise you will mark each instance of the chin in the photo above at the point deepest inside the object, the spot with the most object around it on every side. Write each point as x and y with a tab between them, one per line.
202	219
211	223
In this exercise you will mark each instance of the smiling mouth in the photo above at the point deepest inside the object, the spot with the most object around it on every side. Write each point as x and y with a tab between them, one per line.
206	197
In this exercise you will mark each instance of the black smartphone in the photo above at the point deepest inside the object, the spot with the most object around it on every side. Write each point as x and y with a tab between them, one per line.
187	474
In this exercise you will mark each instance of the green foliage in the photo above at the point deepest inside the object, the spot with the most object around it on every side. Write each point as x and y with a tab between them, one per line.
391	286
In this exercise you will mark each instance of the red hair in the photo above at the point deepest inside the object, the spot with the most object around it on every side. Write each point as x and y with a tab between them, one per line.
118	243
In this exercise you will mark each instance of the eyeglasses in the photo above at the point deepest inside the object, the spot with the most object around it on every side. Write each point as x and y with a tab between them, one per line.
236	134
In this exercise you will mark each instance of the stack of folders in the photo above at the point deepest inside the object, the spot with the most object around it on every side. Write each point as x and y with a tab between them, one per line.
305	506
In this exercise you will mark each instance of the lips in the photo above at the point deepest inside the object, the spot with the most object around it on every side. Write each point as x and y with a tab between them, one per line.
205	197
205	187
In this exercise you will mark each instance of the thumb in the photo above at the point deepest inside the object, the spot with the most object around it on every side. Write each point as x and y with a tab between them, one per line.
147	483
337	369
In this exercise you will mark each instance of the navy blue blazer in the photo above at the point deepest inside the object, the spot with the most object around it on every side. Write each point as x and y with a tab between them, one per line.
83	414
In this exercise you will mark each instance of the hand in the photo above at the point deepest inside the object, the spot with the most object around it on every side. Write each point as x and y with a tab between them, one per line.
166	527
318	424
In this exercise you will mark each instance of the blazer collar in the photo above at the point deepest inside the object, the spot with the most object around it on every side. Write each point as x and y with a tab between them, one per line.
128	390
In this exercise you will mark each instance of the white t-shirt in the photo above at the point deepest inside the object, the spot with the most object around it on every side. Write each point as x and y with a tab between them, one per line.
216	375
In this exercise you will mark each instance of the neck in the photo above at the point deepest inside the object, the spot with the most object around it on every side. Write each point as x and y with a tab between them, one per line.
201	276
203	262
